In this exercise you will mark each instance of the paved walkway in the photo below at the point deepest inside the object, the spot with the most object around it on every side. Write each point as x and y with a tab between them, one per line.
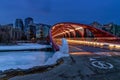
79	67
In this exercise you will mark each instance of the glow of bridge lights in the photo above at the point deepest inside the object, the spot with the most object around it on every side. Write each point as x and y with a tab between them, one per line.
78	28
81	53
66	31
117	47
101	45
114	47
53	28
71	30
59	34
96	44
111	47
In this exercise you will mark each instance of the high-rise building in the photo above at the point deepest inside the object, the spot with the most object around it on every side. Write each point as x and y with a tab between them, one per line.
112	28
42	30
19	24
96	25
28	22
32	32
9	33
118	30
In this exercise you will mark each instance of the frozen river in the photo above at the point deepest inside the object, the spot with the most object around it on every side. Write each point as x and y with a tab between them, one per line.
23	59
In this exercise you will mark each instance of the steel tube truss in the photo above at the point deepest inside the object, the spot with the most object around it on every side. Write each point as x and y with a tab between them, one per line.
74	30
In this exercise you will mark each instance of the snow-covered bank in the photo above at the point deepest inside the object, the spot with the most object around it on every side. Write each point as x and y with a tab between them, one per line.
23	46
64	52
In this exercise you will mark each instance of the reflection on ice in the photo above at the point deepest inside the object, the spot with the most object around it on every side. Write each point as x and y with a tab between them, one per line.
23	60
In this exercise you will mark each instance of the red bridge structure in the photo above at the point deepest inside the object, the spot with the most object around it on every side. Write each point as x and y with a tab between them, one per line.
78	31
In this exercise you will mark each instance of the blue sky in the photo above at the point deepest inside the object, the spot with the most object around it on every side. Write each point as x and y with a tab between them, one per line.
54	11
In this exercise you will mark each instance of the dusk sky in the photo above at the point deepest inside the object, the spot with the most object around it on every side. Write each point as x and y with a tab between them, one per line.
54	11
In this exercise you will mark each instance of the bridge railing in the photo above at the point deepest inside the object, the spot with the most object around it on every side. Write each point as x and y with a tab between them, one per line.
77	41
100	39
106	45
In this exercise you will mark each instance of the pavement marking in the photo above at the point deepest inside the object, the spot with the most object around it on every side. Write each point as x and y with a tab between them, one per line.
102	64
94	58
96	62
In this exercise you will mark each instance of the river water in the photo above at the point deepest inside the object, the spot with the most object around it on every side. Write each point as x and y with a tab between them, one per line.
23	59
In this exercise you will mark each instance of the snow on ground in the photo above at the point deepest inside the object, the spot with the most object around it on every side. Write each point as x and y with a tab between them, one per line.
22	46
64	52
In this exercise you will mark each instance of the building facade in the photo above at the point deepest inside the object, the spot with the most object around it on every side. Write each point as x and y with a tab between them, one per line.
32	32
112	28
42	31
10	33
96	25
28	22
19	24
17	34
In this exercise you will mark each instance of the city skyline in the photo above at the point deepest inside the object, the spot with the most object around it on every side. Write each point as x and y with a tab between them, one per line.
51	11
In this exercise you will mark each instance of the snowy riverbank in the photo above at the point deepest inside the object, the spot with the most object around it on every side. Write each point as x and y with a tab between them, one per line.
12	61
